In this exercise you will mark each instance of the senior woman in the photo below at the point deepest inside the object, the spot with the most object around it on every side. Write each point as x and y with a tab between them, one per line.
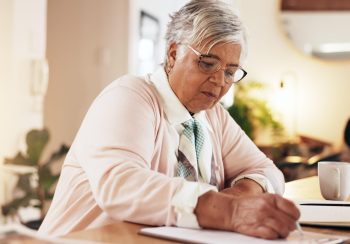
161	150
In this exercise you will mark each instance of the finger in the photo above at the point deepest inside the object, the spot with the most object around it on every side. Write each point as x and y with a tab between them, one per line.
265	232
267	214
283	223
287	207
282	230
258	231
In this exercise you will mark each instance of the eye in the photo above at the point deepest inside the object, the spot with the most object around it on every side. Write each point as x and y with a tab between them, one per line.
208	64
230	72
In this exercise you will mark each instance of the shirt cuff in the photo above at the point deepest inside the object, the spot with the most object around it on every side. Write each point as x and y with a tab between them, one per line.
185	200
260	179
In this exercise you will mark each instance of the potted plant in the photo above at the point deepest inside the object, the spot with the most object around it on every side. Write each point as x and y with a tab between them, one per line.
252	113
38	193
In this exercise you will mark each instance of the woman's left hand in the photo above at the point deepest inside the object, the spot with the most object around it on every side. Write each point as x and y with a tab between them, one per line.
243	188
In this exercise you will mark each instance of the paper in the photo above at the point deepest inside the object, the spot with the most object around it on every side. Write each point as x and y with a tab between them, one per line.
324	212
223	237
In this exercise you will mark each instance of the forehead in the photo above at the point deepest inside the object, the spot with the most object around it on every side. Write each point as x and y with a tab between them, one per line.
227	52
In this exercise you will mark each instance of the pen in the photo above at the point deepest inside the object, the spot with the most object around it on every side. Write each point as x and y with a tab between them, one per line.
299	228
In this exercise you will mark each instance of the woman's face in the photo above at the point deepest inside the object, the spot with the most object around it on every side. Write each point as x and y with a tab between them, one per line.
197	90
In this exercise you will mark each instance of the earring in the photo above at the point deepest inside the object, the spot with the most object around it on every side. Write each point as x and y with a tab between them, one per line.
168	69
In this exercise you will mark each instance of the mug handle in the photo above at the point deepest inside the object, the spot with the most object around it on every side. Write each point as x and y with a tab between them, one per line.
337	192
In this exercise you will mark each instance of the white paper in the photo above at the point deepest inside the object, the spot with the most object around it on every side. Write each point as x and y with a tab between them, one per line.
223	237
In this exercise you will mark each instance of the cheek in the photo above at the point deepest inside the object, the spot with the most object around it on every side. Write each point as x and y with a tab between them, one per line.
192	84
224	91
194	90
185	85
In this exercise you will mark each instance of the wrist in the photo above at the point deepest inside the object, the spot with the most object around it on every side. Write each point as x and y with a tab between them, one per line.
250	185
212	210
243	188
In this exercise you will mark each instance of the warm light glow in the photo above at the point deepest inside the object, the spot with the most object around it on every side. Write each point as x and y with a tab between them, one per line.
333	48
146	49
285	103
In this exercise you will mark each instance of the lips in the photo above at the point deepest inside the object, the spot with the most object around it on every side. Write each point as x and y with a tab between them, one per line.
210	95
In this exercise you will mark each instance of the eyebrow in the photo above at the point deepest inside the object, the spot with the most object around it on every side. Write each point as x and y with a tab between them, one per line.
217	57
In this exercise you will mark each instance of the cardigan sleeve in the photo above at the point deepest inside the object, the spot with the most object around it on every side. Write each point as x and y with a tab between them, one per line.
242	157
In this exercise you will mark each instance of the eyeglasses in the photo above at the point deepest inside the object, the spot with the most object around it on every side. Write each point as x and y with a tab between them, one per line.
210	65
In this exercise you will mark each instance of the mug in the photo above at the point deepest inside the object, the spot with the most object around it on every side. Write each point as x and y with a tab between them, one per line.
334	179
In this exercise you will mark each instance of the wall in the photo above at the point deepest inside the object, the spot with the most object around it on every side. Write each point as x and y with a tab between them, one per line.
23	40
322	87
90	43
161	11
87	48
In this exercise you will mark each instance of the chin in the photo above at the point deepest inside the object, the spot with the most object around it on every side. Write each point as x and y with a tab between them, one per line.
201	108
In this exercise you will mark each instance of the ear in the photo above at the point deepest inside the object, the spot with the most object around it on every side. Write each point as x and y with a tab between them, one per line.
171	55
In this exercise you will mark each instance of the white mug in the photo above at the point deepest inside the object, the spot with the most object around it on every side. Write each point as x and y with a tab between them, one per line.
334	178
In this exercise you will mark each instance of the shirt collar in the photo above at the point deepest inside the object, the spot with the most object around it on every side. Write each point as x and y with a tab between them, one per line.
175	111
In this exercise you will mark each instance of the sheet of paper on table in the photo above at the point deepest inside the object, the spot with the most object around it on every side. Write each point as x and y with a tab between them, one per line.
223	237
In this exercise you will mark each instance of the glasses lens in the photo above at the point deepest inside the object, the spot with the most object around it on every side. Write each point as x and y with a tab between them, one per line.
239	74
234	74
211	65
208	64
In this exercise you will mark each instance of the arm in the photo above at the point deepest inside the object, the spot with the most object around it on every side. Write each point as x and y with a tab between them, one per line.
242	207
115	147
242	158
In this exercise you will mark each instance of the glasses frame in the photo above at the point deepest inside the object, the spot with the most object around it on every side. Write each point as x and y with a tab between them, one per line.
200	56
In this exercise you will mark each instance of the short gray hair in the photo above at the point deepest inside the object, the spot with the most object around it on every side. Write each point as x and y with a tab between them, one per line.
206	23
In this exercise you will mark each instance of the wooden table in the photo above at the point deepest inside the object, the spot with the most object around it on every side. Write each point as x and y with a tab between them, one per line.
119	232
123	232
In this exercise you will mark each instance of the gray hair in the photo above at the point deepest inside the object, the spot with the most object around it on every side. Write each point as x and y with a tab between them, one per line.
206	23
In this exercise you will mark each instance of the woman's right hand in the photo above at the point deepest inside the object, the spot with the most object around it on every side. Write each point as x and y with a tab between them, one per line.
267	216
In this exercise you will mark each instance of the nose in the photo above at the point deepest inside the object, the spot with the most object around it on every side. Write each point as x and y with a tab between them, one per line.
218	78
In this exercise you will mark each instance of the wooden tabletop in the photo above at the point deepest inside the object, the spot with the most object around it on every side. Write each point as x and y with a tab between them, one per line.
119	232
123	232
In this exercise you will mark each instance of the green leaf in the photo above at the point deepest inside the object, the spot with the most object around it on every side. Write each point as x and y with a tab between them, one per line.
46	178
24	184
239	114
36	142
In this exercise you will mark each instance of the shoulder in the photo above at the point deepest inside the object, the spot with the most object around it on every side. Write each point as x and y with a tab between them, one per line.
130	88
138	84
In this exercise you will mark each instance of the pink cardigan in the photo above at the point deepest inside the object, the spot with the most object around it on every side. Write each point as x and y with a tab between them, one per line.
121	163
